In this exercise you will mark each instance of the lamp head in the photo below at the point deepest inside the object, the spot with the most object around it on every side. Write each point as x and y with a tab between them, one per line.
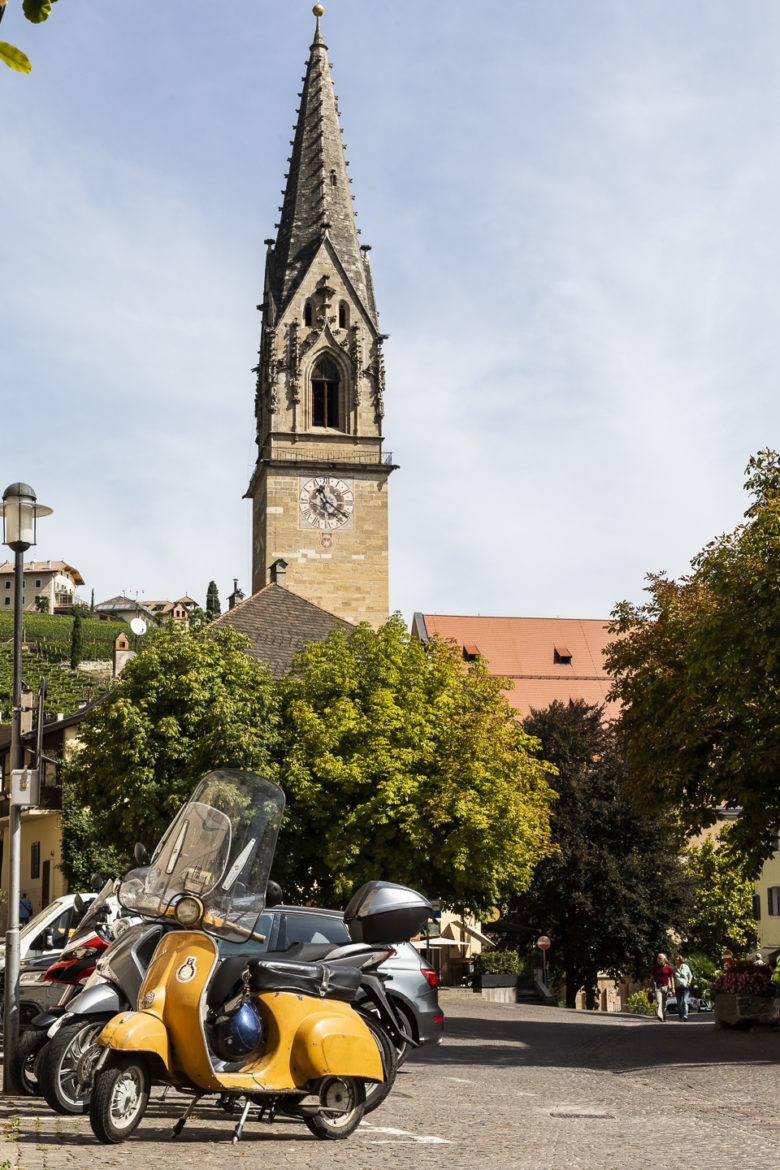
21	510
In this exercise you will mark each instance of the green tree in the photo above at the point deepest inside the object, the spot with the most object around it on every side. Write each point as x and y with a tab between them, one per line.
401	763
723	908
697	671
42	604
76	641
189	702
213	608
616	883
83	853
35	11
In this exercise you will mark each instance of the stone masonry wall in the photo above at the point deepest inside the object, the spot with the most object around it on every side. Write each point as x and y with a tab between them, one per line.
344	571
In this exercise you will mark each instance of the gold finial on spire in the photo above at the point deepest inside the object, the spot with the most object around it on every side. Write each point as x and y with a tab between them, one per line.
318	10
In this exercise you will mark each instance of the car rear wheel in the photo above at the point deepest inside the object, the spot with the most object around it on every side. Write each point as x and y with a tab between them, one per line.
403	1048
376	1091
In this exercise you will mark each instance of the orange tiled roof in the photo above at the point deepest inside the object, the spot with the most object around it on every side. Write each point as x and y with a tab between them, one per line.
546	658
45	567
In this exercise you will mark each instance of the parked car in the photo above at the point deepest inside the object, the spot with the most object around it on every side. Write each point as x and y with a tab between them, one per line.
694	1005
50	929
413	983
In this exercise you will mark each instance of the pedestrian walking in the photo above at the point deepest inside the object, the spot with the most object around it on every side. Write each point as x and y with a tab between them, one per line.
663	981
683	978
25	910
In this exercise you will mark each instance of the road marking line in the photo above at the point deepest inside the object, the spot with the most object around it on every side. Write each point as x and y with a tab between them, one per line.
459	1080
370	1130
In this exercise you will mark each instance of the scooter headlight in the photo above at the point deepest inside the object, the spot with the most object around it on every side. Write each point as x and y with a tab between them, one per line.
188	911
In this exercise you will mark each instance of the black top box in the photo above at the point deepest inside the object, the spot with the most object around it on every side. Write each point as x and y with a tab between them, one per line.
382	912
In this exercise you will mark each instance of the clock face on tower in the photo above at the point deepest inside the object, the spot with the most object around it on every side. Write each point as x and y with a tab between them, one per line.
326	502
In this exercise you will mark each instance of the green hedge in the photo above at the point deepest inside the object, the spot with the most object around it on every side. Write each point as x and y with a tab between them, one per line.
498	963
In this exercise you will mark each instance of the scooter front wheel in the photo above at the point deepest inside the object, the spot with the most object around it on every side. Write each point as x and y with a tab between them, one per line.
59	1066
342	1105
119	1097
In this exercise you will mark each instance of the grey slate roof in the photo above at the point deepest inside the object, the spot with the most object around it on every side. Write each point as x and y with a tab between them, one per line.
317	200
278	623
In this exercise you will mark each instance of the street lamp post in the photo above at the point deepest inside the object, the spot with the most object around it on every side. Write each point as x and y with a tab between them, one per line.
20	510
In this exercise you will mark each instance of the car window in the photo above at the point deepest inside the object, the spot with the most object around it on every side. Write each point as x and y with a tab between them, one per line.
268	925
34	925
310	928
57	930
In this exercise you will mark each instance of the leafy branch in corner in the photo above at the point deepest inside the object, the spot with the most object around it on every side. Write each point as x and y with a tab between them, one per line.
36	11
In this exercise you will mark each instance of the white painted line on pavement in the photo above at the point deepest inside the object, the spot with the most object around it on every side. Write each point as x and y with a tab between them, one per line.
407	1138
459	1080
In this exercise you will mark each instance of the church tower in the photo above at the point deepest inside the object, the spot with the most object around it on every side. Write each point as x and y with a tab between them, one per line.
319	490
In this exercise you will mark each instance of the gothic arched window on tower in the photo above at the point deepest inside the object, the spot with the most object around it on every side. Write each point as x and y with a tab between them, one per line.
307	314
343	315
325	384
333	178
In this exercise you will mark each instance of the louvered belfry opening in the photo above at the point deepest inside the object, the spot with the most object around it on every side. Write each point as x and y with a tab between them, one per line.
325	385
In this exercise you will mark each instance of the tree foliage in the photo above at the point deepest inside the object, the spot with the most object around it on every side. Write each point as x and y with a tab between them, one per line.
190	702
84	852
697	671
616	884
399	762
76	641
723	908
213	608
35	11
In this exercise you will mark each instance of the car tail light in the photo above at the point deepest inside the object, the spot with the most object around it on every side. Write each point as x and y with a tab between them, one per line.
438	1019
431	976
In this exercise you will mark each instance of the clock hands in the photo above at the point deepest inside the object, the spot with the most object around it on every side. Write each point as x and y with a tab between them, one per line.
327	504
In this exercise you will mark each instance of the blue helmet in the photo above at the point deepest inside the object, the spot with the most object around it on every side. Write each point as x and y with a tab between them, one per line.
238	1033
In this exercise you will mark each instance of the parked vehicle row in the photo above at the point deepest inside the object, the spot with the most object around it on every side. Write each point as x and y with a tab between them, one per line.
317	1007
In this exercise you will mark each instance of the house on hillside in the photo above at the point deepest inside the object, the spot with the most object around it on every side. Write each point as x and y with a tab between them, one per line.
123	609
545	658
179	610
54	581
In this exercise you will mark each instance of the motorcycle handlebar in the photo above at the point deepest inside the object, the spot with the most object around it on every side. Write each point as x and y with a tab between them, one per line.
224	924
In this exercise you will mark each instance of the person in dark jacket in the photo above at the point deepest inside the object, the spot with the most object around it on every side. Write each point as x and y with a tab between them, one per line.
25	910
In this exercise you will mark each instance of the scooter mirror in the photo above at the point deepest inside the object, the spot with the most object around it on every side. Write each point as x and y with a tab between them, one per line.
96	882
273	894
140	854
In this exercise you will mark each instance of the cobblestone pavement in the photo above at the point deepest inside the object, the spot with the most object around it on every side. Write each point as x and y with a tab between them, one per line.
512	1088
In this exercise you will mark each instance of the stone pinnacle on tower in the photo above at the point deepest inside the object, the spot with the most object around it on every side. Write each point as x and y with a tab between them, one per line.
317	201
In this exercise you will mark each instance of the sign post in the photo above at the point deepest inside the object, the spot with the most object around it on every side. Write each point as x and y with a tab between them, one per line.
543	943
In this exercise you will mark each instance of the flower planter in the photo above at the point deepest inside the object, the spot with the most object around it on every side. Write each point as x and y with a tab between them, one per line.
497	988
733	1010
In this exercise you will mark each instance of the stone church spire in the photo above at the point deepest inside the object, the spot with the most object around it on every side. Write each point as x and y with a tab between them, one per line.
319	488
317	199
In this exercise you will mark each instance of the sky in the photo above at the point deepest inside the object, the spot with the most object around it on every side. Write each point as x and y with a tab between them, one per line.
573	213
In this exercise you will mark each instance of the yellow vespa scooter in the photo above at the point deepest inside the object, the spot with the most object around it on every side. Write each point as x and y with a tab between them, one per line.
281	1035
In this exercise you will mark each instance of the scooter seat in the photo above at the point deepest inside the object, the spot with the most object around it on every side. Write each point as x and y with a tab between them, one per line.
318	979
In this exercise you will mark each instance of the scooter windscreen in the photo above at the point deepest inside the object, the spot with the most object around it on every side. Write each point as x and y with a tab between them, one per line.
218	849
97	910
